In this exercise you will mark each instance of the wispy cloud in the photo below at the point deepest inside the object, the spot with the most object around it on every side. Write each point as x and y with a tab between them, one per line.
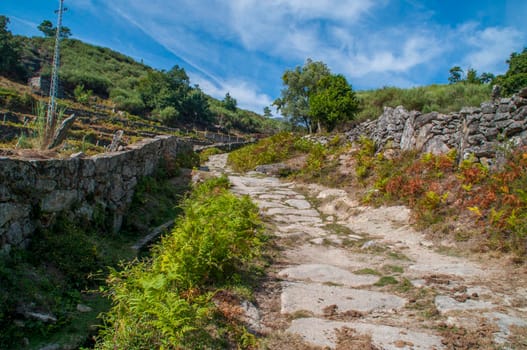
489	47
243	46
246	94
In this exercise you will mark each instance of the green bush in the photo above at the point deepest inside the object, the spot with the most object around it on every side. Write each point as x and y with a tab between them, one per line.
270	150
438	98
205	154
164	302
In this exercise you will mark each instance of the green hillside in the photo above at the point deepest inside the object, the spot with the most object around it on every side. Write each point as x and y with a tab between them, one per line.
92	75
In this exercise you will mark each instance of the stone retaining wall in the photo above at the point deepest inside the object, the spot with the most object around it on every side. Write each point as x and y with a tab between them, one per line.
479	131
33	192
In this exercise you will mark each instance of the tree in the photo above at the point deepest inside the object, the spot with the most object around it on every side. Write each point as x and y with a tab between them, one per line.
515	78
332	102
299	83
49	31
195	107
160	89
456	74
267	112
486	77
229	102
472	77
9	52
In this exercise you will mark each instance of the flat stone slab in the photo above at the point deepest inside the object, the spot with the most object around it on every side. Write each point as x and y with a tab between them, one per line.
301	296
445	304
293	211
323	333
298	219
298	203
313	231
327	274
331	192
504	322
440	266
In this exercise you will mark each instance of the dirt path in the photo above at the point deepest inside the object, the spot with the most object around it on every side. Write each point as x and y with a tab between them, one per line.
354	277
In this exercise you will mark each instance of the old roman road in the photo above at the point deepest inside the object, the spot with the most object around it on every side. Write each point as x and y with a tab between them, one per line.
347	275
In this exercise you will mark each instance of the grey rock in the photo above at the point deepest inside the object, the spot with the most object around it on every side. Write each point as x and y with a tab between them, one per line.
62	131
504	323
322	273
298	203
84	308
50	347
10	211
445	304
436	146
300	296
251	317
58	200
322	333
42	317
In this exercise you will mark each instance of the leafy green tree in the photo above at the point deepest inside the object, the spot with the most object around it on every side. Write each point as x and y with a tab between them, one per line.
160	89
49	31
195	106
486	77
456	75
472	77
299	84
333	102
9	52
515	78
229	102
267	112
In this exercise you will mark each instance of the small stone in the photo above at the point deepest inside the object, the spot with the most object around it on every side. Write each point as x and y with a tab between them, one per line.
368	245
83	308
77	155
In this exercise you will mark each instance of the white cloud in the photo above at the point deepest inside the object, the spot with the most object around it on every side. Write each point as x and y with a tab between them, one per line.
491	47
230	43
246	94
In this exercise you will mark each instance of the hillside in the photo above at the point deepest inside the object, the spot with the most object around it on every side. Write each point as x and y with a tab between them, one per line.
110	91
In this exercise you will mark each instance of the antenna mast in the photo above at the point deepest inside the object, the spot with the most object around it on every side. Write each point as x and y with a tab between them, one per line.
51	120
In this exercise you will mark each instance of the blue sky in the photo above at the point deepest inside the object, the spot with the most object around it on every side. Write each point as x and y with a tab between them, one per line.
244	46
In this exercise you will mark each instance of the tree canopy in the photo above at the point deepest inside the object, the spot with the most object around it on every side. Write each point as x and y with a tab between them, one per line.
316	98
9	51
299	83
516	76
332	102
49	31
229	102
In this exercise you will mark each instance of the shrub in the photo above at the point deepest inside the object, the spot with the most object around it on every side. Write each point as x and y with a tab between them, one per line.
164	302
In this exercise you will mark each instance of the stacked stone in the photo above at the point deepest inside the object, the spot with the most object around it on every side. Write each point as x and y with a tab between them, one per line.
478	131
33	192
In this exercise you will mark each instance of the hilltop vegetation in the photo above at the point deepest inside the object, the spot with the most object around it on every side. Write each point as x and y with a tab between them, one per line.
310	100
93	75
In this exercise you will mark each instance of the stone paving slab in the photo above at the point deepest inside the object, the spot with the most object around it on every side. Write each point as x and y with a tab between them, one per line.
298	219
445	304
323	333
312	297
298	203
294	212
326	274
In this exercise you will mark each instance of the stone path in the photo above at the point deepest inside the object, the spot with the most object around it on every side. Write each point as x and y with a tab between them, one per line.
342	266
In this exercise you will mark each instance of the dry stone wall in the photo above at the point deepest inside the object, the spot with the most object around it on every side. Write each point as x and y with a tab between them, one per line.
482	131
34	192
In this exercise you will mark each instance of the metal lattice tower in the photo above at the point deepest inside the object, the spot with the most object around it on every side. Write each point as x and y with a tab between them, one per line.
51	120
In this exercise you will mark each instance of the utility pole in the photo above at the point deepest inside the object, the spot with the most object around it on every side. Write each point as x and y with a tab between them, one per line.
52	107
